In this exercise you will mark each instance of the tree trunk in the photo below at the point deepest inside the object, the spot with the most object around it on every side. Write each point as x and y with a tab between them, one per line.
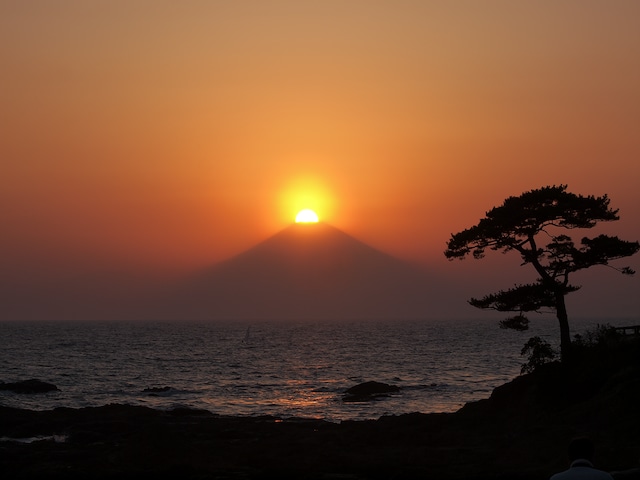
565	335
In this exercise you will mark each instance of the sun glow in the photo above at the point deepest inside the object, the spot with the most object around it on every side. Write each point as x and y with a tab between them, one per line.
308	193
306	216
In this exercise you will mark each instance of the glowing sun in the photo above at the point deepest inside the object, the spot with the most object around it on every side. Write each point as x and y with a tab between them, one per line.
306	216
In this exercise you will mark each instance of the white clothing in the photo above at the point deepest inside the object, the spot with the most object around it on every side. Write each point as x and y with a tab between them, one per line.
582	470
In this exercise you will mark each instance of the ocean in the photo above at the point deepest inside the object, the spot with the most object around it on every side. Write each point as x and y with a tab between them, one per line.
287	369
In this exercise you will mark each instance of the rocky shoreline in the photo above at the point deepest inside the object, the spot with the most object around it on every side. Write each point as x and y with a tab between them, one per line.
520	432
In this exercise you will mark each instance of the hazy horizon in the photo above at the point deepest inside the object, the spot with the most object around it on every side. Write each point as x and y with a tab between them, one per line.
119	297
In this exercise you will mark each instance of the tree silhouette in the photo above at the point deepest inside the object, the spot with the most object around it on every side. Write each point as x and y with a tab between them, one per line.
522	224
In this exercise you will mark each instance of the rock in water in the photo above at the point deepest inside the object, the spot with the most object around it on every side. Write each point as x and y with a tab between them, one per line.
29	386
155	390
368	391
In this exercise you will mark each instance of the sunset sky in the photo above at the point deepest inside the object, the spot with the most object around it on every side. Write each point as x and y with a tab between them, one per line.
144	139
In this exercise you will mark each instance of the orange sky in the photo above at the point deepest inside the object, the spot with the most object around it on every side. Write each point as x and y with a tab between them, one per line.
161	136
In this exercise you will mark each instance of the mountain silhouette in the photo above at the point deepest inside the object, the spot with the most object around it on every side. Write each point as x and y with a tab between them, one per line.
310	271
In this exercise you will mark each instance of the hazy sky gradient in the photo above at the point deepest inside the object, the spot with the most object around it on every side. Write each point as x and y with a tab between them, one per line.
154	137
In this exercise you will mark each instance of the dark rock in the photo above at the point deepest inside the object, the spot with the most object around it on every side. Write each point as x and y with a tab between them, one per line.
29	386
368	391
189	412
156	390
372	388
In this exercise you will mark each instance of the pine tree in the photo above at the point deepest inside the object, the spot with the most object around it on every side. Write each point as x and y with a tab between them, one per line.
524	224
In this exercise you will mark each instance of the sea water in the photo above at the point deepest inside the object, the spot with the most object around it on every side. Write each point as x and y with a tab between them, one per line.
286	369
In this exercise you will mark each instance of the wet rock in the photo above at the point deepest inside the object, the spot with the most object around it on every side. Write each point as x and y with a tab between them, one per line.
367	391
29	386
156	390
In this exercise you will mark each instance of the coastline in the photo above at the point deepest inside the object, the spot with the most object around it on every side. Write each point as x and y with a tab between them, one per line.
520	432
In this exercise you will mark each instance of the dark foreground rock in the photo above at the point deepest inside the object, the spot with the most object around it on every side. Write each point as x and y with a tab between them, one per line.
521	432
28	386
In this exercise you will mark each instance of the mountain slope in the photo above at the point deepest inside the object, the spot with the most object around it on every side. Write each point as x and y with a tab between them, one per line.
310	271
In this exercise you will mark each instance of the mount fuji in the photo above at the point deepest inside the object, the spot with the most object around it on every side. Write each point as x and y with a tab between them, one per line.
310	271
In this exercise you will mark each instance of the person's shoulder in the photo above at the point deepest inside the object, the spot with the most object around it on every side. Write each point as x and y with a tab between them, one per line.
604	476
559	476
568	474
576	473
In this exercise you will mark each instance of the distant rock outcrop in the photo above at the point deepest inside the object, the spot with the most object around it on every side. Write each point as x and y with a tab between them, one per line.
367	391
29	386
155	390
